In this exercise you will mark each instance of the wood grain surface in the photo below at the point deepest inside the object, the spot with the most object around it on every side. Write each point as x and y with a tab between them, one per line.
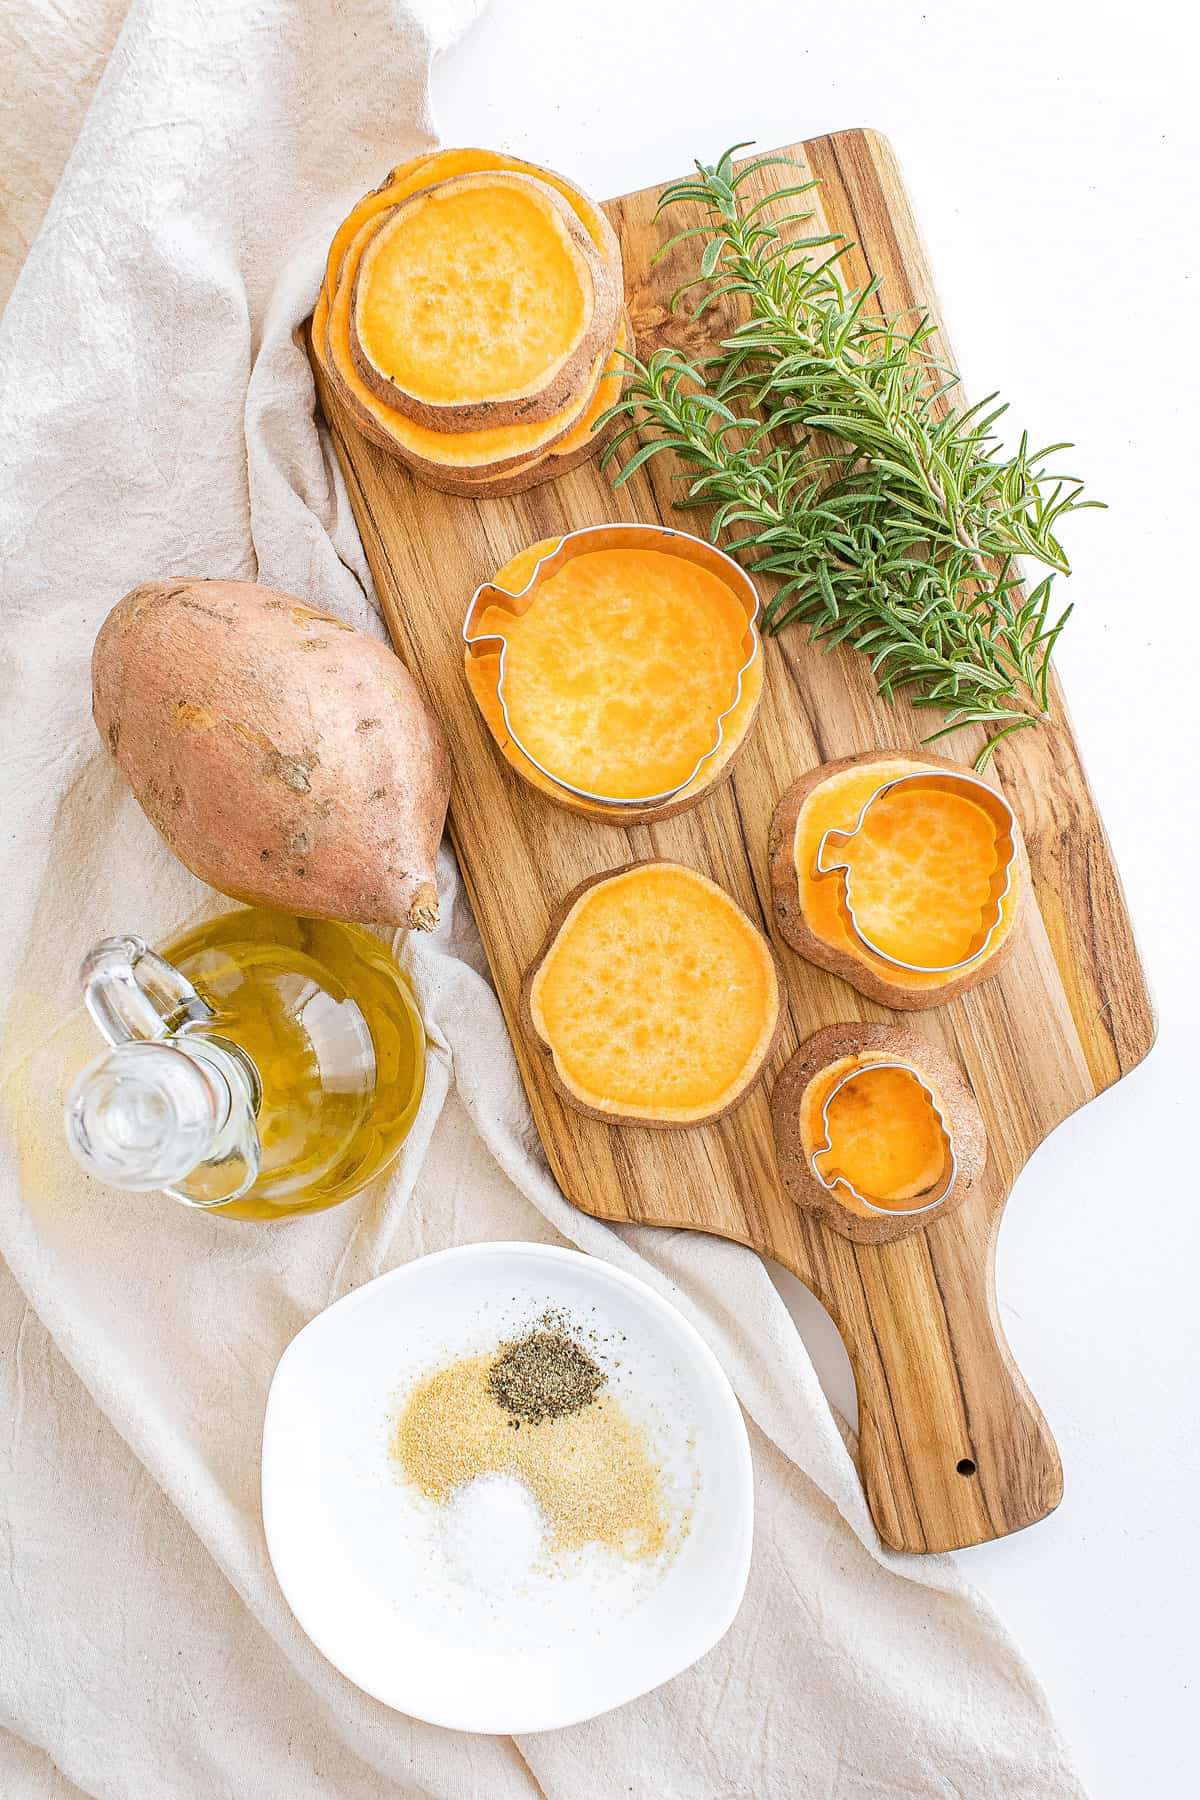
953	1447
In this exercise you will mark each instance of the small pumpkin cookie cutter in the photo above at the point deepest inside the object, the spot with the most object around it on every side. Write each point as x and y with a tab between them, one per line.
945	1184
614	537
944	781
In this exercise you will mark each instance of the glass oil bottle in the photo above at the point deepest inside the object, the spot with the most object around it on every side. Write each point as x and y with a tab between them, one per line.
262	1066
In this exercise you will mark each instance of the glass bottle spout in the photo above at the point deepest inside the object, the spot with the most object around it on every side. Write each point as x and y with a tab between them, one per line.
171	1104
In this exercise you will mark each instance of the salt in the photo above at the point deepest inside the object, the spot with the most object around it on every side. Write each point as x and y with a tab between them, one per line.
492	1533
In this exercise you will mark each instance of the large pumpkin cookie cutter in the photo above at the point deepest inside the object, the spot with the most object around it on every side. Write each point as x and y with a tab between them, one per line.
943	781
614	537
834	1179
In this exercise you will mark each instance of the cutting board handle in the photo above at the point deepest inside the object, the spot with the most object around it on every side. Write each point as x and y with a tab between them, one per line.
953	1447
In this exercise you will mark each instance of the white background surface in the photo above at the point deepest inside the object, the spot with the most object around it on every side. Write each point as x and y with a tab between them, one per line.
1052	150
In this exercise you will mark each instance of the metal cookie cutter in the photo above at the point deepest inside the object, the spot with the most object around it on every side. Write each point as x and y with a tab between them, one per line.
950	782
830	1182
613	537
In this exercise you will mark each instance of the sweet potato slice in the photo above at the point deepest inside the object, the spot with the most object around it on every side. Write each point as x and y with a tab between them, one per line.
617	673
579	445
480	301
506	460
627	673
433	455
654	997
443	165
888	1132
922	878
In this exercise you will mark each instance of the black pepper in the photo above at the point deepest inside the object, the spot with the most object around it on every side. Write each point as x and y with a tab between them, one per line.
544	1375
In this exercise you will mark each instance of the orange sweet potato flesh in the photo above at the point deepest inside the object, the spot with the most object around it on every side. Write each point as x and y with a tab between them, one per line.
920	870
617	674
655	997
507	459
443	165
921	874
287	759
480	301
885	1136
428	452
679	671
450	277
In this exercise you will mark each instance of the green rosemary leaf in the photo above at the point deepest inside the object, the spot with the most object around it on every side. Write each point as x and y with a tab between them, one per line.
636	460
680	190
766	162
677	237
710	258
787	193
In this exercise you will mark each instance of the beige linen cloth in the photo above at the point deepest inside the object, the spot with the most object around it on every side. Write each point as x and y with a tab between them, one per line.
158	419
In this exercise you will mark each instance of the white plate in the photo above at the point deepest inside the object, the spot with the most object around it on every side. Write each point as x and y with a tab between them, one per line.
375	1573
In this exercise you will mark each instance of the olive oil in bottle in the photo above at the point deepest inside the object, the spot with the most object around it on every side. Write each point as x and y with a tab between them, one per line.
263	1065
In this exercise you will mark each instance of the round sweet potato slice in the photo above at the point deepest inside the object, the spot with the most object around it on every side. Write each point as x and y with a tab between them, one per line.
624	693
480	301
892	1136
507	461
654	998
433	455
810	907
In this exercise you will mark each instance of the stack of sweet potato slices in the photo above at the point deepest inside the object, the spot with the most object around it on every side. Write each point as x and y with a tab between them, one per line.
472	320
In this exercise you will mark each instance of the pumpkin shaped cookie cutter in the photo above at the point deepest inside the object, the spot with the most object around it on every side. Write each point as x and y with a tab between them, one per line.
939	781
834	1179
614	537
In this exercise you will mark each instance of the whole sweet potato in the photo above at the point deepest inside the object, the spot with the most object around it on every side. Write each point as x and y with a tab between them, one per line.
286	758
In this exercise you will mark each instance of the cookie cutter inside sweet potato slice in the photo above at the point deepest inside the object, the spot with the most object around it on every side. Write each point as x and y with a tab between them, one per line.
613	537
994	805
832	1178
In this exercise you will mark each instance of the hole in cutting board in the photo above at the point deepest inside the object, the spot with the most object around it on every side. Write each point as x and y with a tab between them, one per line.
965	1466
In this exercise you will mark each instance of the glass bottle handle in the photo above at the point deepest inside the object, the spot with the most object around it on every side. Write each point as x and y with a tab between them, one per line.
133	993
165	1107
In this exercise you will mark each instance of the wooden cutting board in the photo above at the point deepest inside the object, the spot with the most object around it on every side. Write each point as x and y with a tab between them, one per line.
953	1447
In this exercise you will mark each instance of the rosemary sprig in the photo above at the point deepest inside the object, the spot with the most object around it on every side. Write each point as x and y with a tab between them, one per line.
823	436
